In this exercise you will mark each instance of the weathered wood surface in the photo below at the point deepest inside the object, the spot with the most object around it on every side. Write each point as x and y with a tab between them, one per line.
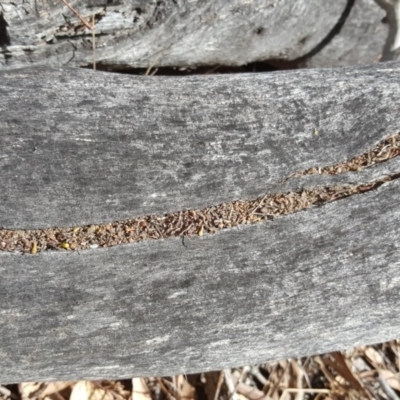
322	279
88	148
365	36
185	33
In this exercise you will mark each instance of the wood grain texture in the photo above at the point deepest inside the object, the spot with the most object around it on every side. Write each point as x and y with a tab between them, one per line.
319	280
185	33
365	37
80	147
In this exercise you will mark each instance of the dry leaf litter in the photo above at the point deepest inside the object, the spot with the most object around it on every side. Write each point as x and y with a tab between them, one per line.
369	372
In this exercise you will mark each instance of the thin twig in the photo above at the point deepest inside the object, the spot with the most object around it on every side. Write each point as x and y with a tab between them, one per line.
398	354
305	390
259	204
230	384
94	43
219	384
387	389
164	389
84	22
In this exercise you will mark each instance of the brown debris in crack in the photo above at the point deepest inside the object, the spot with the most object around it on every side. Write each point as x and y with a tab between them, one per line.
385	150
210	219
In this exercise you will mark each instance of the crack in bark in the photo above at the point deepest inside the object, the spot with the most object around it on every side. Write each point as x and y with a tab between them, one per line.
210	219
385	150
329	37
4	36
299	62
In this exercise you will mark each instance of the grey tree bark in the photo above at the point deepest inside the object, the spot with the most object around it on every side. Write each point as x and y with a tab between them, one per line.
81	147
188	34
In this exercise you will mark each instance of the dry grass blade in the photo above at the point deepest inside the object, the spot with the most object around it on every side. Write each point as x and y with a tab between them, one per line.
374	357
87	390
5	393
286	392
250	392
391	378
140	391
230	384
345	381
164	389
387	389
339	363
279	376
298	373
186	390
214	381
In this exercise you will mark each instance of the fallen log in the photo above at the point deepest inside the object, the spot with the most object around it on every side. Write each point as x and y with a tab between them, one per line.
190	34
162	225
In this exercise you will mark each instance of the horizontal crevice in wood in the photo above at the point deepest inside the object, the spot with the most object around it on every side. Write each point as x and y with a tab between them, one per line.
385	150
262	66
267	65
210	219
83	147
315	281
